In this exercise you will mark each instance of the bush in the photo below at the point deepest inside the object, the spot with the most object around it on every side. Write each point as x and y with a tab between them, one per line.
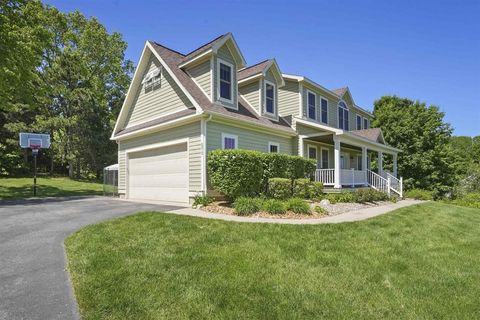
316	190
235	172
419	194
279	188
245	206
320	210
274	206
301	188
369	195
203	200
298	206
346	196
471	200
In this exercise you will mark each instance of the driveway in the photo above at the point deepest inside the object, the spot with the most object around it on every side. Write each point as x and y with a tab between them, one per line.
33	280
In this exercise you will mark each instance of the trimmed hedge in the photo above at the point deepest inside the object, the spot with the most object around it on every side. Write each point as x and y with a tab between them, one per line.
301	188
279	188
245	173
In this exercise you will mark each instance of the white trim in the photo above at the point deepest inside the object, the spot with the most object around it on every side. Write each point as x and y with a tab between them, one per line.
308	151
194	59
252	77
356	122
153	119
198	85
237	122
275	106
300	100
230	136
232	70
338	118
273	144
212	79
308	106
321	111
321	157
151	147
249	104
229	36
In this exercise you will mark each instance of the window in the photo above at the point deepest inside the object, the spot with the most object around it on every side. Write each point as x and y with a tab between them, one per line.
359	162
359	122
324	104
343	116
312	153
343	162
325	159
269	97
365	123
312	108
229	141
225	81
273	147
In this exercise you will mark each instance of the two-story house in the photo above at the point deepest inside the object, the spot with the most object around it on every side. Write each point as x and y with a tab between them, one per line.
181	106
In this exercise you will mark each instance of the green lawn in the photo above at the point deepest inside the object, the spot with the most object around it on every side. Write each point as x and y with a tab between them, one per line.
20	188
417	262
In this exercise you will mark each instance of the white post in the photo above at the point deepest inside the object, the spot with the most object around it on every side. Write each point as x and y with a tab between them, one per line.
353	177
401	187
364	163
395	165
300	146
337	182
380	163
388	185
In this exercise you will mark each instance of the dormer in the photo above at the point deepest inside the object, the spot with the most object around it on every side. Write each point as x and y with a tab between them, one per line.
214	68
259	85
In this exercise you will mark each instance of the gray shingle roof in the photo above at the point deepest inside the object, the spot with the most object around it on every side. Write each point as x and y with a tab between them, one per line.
371	133
340	91
202	49
253	70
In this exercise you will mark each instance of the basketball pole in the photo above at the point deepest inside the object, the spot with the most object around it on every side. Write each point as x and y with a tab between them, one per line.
35	152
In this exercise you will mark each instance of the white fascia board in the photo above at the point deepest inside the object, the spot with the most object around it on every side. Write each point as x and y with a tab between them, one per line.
195	59
229	36
318	126
248	79
354	139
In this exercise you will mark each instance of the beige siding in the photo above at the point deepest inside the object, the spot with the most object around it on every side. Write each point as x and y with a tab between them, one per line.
224	54
288	99
247	139
201	74
332	105
164	98
268	76
251	92
190	131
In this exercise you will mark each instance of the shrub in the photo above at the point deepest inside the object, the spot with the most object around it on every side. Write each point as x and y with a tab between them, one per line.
274	206
245	206
419	194
279	188
346	196
301	188
471	200
299	167
203	200
316	190
298	206
235	172
369	195
320	210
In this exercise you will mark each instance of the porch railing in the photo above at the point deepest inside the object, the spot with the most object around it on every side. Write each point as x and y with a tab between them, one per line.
377	182
396	185
326	176
352	177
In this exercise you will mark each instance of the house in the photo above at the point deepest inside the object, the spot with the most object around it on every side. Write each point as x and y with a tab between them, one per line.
181	106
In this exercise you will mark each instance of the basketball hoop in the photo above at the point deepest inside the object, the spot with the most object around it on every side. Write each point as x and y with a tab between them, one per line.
35	148
34	141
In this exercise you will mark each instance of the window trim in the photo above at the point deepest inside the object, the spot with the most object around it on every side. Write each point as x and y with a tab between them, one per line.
316	152
361	122
328	157
270	144
265	82
230	136
365	120
232	69
308	110
359	163
338	118
321	111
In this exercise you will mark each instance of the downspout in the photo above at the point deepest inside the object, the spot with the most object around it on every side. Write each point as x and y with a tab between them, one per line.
204	151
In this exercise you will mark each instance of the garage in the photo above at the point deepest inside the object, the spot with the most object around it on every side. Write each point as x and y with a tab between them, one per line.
159	174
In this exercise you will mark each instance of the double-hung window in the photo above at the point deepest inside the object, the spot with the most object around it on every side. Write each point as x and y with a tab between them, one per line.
312	105
343	116
359	122
273	147
324	158
225	79
229	141
269	98
312	153
324	105
365	123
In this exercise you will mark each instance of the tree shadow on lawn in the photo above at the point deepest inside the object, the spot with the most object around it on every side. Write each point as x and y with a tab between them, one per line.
23	192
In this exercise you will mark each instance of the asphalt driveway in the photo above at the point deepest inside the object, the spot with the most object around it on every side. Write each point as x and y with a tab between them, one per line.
33	280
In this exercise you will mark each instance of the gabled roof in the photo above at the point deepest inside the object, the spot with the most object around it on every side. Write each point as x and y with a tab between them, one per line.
374	134
260	69
340	91
212	47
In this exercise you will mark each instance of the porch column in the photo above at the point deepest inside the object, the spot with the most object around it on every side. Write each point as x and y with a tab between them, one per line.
395	165
364	158
337	182
380	162
301	152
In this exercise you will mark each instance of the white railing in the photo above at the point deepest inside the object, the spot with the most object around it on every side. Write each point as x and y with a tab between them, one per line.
377	182
396	185
352	177
326	176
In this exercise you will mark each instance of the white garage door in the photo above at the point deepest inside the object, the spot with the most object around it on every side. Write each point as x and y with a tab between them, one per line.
159	174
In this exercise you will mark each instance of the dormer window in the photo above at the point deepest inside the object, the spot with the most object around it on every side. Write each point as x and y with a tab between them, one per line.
269	98
152	78
312	105
343	116
225	81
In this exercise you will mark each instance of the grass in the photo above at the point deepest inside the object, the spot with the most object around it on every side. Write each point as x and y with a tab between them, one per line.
417	262
20	188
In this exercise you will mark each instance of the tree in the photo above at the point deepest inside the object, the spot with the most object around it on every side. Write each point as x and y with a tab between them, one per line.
427	160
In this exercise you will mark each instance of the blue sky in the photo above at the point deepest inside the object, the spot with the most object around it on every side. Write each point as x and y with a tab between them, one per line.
423	50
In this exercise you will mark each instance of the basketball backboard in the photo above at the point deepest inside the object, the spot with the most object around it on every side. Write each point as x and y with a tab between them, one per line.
36	140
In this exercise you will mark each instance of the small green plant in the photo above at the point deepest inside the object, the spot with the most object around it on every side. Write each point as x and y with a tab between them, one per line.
244	206
202	200
279	188
274	206
301	188
316	190
346	196
320	210
369	195
298	205
419	194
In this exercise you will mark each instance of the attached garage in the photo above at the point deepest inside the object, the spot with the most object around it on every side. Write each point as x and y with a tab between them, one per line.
159	174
